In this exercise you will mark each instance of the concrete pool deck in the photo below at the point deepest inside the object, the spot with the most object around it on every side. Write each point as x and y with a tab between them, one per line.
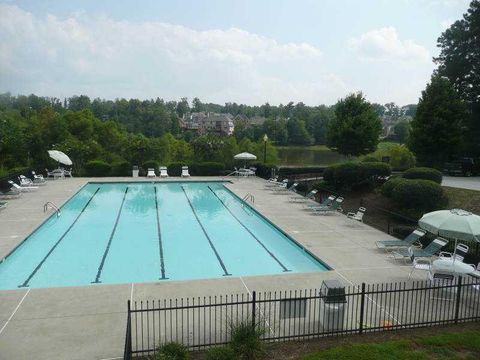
89	322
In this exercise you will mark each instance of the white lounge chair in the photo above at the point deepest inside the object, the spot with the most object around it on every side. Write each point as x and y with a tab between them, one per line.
424	264
151	172
38	178
3	205
163	171
185	172
22	188
67	173
458	255
24	181
285	188
358	216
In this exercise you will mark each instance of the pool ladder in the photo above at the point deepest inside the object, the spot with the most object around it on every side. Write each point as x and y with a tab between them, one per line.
53	206
249	197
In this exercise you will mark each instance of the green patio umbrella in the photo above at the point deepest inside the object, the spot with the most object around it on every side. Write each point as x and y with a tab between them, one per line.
454	224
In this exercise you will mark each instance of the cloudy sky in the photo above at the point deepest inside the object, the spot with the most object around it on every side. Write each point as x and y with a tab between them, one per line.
249	51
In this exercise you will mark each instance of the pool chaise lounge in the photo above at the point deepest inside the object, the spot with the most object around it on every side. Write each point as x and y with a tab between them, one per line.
412	252
163	171
334	207
22	188
412	239
3	205
151	172
301	199
185	172
24	181
327	202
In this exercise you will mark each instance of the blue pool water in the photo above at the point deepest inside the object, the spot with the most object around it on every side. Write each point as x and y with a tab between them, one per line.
146	232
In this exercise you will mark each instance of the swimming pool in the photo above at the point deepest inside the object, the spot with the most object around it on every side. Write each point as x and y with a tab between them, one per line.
115	233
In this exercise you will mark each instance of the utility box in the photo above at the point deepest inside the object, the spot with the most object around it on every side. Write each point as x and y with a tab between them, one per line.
135	172
332	305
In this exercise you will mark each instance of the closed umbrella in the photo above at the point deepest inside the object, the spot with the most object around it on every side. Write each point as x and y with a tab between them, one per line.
245	156
60	157
455	224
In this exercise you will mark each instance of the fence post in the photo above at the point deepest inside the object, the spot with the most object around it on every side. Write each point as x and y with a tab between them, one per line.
254	305
128	337
457	302
362	308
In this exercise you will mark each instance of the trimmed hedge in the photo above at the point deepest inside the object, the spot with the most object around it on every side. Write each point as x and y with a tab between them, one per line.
207	169
350	174
419	196
97	168
121	168
287	171
423	173
150	164
387	188
264	170
175	168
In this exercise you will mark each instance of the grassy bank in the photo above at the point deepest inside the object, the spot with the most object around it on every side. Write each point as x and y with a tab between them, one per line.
464	345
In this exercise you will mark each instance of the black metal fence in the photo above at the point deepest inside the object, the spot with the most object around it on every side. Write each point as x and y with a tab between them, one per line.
303	314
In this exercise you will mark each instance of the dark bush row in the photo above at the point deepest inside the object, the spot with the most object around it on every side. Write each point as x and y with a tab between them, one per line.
352	174
265	170
423	173
288	171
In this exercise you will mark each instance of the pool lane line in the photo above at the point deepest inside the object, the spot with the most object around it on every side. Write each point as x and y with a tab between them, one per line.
25	283
107	249
160	245
285	269
226	273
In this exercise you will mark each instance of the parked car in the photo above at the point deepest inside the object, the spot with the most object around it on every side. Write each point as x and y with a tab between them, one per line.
465	166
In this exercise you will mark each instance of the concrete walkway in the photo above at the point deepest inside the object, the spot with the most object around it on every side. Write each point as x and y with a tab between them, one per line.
89	322
471	183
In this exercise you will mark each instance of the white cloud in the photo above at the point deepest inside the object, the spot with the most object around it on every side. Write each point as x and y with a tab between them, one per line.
385	45
102	57
445	24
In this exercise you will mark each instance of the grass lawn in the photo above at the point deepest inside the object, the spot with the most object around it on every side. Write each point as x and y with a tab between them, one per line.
464	345
463	199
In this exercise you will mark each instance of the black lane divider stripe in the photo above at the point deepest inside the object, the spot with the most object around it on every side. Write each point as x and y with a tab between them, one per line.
25	283
107	249
250	232
160	245
226	273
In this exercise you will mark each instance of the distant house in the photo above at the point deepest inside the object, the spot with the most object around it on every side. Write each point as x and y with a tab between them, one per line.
208	122
244	120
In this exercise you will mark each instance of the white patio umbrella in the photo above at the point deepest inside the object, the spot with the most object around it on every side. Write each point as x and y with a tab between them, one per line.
455	224
60	157
245	156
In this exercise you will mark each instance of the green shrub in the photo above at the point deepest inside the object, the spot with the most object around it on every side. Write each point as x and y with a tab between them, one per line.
369	158
221	353
302	187
172	351
419	196
150	164
423	173
400	157
121	168
207	169
387	188
175	168
350	174
265	170
97	168
246	340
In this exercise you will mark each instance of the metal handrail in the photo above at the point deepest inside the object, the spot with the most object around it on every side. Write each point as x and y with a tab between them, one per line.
248	197
53	206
